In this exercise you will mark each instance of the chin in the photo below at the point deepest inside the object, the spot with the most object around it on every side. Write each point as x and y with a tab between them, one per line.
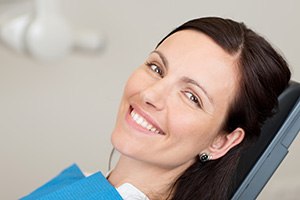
122	143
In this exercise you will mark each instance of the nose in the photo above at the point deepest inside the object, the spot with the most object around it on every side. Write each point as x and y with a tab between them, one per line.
155	95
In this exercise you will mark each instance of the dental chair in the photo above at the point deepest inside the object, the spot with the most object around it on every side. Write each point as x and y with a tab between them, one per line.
259	162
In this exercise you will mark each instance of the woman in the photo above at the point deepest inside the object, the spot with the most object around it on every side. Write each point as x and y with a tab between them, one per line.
200	97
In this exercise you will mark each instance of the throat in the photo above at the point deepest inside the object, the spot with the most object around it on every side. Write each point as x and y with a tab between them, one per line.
150	180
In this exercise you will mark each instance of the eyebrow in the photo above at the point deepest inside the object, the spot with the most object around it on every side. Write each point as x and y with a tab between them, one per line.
191	81
162	57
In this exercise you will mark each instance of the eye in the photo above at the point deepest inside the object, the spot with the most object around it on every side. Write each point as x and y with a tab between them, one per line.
155	69
193	98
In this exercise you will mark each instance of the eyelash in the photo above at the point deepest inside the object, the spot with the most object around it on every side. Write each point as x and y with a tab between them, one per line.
160	72
157	70
193	98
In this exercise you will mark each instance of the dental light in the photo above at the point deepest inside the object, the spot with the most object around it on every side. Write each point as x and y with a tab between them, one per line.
45	34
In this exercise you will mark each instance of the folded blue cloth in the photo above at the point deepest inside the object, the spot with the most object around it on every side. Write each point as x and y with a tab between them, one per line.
72	184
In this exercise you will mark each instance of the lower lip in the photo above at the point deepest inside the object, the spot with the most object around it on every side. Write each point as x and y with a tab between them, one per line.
137	127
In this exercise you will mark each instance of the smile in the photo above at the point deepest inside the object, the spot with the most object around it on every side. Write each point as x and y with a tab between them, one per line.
141	121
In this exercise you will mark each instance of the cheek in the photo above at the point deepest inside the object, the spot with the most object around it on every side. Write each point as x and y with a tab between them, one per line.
135	83
131	88
193	132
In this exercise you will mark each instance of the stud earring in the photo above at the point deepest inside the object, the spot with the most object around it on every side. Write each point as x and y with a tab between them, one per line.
204	157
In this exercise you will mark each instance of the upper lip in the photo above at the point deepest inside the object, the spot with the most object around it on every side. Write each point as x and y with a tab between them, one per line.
147	117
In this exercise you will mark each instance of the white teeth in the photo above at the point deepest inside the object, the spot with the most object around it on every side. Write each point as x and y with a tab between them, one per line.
135	117
149	126
132	113
144	124
153	129
141	121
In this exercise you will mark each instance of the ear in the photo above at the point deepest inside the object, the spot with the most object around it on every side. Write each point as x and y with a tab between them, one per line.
224	142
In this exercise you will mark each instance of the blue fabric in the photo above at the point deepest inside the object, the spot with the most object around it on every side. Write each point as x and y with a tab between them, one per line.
72	184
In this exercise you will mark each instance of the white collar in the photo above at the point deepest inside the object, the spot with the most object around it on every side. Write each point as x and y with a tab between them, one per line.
129	192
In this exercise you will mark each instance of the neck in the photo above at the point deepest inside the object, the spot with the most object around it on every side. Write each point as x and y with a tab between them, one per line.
148	178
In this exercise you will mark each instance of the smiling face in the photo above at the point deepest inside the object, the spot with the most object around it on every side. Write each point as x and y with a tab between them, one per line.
174	105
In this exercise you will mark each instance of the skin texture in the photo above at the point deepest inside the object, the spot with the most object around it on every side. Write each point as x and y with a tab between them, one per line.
184	88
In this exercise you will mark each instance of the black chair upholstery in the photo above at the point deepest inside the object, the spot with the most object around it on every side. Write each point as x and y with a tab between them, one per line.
258	163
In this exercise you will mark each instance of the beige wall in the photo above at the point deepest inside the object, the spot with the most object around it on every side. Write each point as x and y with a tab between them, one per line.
52	115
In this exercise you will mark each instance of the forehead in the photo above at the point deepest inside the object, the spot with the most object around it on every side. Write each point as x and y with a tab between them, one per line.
195	44
194	54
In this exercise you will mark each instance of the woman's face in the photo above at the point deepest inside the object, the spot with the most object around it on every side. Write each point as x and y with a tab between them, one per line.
175	103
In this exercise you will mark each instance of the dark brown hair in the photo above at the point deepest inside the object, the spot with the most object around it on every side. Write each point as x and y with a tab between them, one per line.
264	74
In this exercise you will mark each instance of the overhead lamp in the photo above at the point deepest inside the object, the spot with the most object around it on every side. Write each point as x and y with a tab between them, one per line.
45	33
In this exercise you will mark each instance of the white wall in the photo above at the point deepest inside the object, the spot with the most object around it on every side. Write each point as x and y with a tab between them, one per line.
52	115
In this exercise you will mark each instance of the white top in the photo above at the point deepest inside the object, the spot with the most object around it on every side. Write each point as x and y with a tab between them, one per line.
129	192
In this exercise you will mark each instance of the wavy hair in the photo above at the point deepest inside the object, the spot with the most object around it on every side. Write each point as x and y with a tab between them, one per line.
264	74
